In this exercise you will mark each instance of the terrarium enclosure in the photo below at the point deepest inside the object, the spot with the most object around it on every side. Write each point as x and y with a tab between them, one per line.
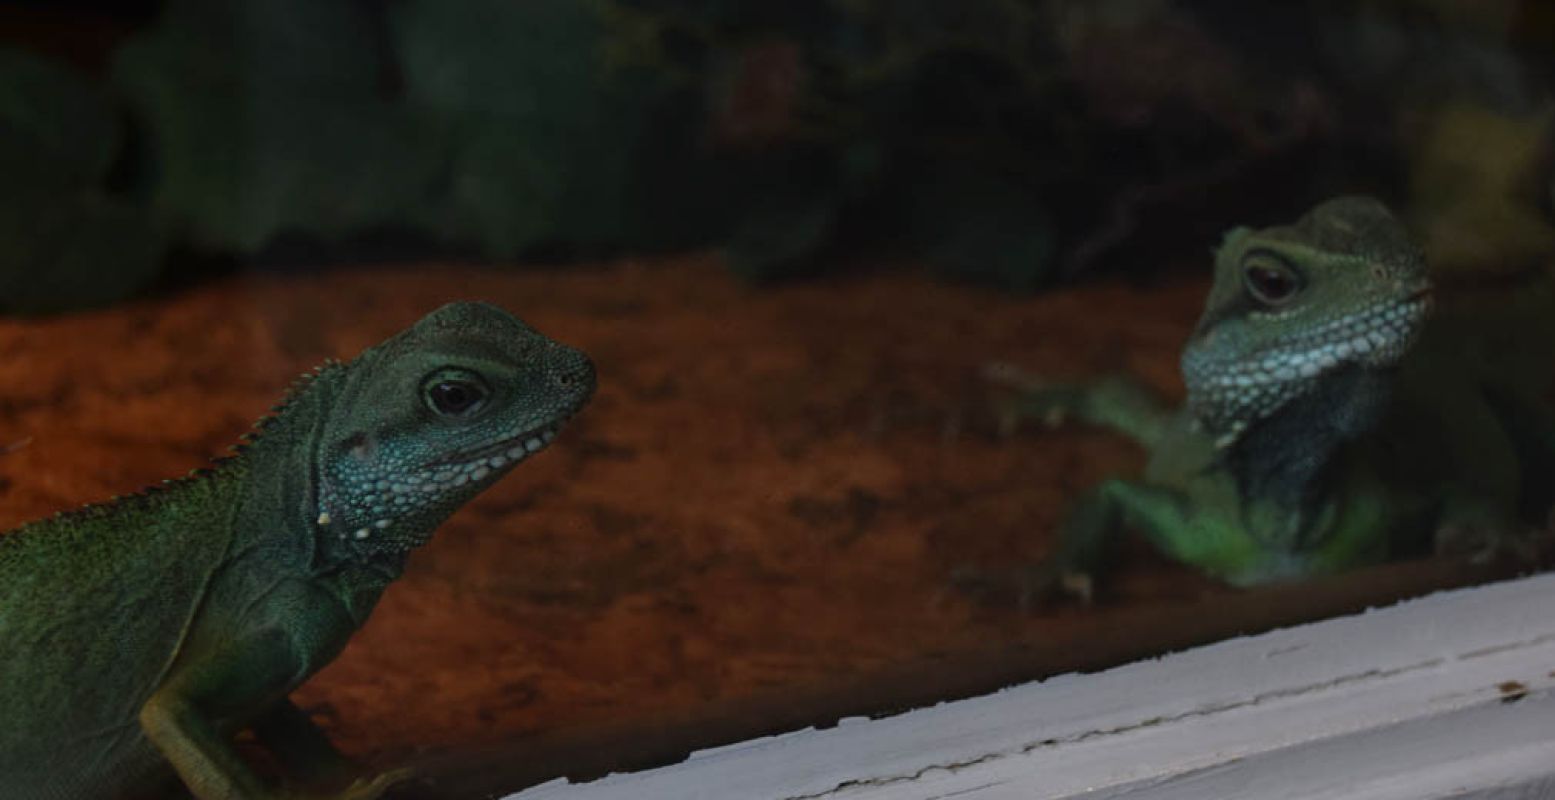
806	245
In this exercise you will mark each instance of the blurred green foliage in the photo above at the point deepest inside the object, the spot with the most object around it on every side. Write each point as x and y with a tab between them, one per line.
270	116
549	126
833	110
65	239
1007	142
543	139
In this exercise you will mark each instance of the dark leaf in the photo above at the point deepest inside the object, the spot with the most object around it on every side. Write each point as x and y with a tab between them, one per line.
267	117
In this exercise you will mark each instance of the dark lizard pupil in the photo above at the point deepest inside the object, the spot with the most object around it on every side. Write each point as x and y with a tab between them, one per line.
454	397
1269	284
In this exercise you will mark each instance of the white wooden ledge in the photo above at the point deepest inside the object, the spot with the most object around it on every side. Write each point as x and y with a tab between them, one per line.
1446	696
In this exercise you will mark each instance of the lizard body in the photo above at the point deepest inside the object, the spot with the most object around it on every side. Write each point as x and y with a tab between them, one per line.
1331	420
139	636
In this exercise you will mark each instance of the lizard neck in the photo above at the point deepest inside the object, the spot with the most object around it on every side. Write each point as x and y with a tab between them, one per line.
281	504
1230	391
281	464
1285	463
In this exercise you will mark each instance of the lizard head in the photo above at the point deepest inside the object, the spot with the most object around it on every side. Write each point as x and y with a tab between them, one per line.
1342	288
430	417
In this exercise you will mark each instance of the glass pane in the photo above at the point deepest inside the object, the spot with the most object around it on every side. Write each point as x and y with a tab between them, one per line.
892	353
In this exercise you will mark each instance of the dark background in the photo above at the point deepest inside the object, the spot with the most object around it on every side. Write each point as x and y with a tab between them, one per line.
791	236
1013	143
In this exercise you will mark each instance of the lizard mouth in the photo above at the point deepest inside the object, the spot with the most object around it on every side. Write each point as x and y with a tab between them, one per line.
387	500
459	471
1230	390
361	506
503	453
511	449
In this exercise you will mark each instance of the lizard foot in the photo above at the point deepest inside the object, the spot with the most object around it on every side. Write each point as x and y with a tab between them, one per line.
1489	544
364	788
1026	588
1026	397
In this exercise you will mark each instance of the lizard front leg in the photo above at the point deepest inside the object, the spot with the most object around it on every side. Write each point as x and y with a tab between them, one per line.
302	748
1118	402
299	744
225	681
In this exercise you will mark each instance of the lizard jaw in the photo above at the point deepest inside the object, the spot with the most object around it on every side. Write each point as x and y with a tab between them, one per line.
502	454
515	447
1230	391
385	504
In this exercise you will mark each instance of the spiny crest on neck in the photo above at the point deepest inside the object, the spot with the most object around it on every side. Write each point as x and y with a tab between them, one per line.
154	493
300	386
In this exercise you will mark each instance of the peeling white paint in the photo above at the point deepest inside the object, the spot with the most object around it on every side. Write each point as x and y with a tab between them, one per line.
1448	696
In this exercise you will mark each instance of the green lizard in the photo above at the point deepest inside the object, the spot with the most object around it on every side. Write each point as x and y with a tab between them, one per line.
139	636
1331	420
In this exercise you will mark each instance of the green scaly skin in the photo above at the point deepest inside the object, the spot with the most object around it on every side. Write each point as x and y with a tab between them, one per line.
1331	420
139	636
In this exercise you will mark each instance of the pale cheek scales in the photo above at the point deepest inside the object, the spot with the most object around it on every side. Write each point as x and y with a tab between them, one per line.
1233	390
380	494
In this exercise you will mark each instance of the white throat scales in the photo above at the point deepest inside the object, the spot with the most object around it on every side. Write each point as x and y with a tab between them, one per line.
379	499
1232	386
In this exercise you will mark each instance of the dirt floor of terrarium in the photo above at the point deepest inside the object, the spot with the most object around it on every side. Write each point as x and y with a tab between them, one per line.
764	501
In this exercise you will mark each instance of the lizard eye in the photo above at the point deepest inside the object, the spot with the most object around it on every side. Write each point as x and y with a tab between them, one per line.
454	392
1270	279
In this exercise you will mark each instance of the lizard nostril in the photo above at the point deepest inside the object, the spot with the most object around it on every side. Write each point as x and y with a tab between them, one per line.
360	446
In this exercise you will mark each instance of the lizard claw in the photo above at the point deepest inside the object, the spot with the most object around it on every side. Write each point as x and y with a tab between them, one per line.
1007	375
371	789
1028	396
1486	544
364	788
1027	588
